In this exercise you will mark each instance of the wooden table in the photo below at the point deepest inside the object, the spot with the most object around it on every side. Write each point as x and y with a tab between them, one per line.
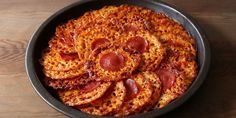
20	18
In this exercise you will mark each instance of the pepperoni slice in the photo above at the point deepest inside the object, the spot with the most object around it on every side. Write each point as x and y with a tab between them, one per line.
167	77
95	44
68	40
69	56
138	44
90	86
129	28
112	61
131	88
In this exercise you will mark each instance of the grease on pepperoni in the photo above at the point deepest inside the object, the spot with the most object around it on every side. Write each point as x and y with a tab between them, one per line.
138	44
131	88
112	61
167	77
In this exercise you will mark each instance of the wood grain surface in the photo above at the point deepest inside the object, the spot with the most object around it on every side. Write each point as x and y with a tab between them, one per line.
20	18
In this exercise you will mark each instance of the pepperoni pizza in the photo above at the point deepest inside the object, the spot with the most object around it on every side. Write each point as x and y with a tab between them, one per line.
119	61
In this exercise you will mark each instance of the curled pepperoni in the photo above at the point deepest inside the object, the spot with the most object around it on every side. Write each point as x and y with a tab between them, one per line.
112	61
69	56
95	44
138	44
90	86
167	77
68	40
131	88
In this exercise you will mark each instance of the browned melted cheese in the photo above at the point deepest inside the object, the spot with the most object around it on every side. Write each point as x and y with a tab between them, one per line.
120	60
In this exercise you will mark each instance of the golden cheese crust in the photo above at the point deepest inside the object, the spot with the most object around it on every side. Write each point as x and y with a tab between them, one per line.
157	89
52	61
97	38
78	97
180	57
69	83
152	55
55	74
135	105
109	103
63	40
179	87
130	63
120	60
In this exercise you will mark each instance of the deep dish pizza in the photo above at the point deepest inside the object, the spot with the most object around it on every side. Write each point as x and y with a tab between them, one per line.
119	61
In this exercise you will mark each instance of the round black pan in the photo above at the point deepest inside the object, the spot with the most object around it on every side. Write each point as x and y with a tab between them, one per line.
41	37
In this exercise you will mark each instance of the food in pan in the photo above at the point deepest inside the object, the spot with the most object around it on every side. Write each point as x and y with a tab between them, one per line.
119	61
